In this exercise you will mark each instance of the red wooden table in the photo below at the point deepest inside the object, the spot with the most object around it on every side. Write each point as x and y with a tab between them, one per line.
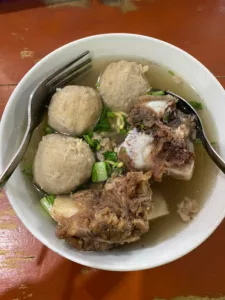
28	31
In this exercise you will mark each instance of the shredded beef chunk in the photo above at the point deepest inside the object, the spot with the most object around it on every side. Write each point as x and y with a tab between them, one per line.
173	152
106	218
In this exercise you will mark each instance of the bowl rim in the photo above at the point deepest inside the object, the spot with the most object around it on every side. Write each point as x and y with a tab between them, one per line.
34	232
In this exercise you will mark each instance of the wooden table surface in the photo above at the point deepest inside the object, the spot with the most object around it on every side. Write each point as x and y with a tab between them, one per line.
28	31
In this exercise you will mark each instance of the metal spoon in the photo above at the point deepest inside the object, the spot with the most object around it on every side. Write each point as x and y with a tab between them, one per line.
186	108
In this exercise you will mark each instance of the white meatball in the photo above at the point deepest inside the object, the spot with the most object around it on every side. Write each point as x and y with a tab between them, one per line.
74	109
122	83
62	163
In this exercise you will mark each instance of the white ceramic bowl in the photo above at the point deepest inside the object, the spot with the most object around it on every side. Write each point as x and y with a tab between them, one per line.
25	200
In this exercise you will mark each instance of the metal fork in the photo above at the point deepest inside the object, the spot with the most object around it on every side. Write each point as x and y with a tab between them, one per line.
37	103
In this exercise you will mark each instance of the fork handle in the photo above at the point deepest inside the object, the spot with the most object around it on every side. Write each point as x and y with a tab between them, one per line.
14	162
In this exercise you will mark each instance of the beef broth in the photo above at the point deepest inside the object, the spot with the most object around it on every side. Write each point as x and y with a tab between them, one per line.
174	191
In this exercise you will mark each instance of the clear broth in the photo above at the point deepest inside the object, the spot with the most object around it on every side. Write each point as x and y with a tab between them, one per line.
174	191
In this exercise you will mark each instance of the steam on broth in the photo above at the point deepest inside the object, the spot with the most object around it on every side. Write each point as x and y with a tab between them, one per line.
173	190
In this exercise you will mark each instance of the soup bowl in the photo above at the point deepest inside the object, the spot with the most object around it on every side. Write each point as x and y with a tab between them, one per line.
24	198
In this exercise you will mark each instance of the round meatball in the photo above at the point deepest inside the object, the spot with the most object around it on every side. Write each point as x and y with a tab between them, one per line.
62	163
122	83
74	109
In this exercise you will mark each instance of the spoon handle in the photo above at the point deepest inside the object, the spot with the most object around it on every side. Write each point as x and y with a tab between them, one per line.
213	154
6	174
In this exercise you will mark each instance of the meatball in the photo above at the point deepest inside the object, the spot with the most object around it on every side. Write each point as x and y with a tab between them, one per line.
122	83
62	163
74	109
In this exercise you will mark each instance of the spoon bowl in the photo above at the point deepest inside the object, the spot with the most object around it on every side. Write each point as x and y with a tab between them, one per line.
184	106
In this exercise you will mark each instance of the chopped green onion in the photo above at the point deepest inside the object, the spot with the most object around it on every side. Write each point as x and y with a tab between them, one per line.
97	84
90	133
111	114
108	168
112	163
120	164
28	171
93	143
166	117
171	72
99	172
103	122
51	198
47	202
198	141
98	146
88	139
123	131
114	168
196	105
48	130
118	170
156	93
126	126
111	155
142	126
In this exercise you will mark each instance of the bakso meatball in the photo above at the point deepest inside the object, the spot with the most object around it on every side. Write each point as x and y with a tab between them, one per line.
74	109
62	163
122	83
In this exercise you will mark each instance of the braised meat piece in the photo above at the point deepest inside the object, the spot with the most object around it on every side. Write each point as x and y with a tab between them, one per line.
161	140
102	219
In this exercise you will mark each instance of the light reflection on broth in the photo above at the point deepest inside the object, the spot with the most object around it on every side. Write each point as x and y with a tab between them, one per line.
174	191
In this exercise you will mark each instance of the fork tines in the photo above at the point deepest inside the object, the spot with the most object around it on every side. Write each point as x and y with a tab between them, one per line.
72	70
